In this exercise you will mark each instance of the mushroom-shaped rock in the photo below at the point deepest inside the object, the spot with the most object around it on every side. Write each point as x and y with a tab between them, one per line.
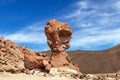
58	38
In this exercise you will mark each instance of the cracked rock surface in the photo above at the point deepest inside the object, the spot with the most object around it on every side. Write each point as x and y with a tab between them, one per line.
58	38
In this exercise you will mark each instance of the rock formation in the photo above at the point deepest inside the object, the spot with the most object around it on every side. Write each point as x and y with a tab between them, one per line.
33	60
58	38
11	58
16	59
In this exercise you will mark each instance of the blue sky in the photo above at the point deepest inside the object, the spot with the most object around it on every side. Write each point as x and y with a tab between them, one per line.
96	23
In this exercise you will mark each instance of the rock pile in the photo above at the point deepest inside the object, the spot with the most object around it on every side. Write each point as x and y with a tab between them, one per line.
11	57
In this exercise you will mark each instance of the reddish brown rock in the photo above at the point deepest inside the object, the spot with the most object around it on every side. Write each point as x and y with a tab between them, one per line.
11	58
58	38
15	58
33	60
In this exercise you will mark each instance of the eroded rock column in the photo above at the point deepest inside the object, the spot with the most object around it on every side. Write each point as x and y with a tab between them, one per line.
58	38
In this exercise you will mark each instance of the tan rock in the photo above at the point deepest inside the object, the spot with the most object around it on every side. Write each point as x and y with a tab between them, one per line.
33	60
58	38
11	58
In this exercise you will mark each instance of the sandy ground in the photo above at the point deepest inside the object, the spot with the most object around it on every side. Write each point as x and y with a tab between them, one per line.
44	76
22	76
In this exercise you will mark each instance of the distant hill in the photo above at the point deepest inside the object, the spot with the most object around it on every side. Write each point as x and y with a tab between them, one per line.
104	61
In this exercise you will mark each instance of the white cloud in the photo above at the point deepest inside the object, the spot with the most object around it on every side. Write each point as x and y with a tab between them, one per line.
75	14
31	34
36	26
82	4
93	13
117	4
101	37
27	37
96	23
86	24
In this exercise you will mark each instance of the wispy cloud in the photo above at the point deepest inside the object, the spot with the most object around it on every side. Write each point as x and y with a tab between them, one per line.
89	12
31	34
96	37
36	26
82	4
97	23
27	37
117	4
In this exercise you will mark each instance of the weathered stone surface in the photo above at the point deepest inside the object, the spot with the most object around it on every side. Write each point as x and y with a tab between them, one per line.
63	71
58	38
11	58
33	60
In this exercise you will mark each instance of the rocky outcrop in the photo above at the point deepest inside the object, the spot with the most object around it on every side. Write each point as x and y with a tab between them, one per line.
16	59
11	58
58	38
33	60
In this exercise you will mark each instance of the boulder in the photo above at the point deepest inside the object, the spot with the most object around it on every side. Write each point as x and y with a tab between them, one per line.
33	60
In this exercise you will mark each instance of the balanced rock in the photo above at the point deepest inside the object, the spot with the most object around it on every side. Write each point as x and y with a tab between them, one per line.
58	38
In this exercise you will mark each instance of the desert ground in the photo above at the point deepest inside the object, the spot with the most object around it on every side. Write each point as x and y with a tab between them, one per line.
44	76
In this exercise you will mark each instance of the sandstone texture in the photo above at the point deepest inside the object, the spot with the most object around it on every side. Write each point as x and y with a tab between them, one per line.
34	60
58	38
11	57
15	59
31	65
